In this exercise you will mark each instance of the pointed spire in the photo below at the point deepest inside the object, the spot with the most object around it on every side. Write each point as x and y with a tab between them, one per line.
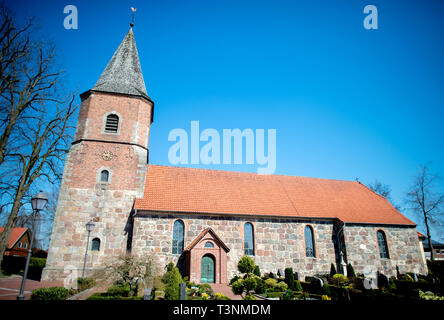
123	73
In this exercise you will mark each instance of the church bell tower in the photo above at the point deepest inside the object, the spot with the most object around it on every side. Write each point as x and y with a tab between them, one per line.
104	169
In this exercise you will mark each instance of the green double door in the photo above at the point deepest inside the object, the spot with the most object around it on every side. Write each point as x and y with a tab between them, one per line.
207	270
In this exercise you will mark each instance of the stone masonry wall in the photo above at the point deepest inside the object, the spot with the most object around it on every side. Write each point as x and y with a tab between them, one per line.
403	245
280	243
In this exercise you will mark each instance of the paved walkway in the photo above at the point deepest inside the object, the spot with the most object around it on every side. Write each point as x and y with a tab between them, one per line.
225	290
10	287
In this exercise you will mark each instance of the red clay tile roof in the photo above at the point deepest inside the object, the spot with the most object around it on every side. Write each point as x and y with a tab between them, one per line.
421	236
16	234
176	189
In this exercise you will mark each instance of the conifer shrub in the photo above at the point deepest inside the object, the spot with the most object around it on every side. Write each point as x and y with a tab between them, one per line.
257	271
332	270
172	280
289	277
238	286
246	264
350	271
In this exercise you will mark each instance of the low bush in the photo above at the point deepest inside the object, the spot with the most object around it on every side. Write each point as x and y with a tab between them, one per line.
238	287
260	286
104	296
297	286
85	283
51	293
234	279
275	294
119	290
249	297
37	262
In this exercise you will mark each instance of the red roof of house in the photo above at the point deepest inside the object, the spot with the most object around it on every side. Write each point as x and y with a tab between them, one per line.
176	189
16	234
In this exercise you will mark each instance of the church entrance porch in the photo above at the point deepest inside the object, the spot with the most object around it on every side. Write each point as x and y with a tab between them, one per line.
206	258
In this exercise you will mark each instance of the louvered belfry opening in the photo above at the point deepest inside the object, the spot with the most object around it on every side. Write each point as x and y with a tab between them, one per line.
112	123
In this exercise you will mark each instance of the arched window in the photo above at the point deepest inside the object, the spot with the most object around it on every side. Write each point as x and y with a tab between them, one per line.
209	244
309	242
112	123
178	236
248	239
382	244
104	176
95	245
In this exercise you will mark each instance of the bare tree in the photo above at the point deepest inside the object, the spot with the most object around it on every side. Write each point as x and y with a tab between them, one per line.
27	75
35	118
384	190
425	202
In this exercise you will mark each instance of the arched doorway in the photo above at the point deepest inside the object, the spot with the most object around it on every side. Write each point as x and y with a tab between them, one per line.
207	269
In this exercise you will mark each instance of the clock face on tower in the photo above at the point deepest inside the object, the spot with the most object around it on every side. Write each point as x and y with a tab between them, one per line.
107	155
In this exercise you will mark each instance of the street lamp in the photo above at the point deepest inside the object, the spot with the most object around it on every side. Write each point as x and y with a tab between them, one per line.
38	202
89	227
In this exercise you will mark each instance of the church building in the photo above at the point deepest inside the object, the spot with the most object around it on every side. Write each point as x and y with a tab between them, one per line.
203	220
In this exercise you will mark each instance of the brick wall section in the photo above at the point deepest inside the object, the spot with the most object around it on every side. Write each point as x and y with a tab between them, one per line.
83	197
280	243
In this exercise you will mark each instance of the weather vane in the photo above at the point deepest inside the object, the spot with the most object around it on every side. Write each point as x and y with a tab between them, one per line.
132	19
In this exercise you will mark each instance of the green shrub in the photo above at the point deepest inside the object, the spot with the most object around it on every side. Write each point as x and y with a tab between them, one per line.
257	271
332	270
271	283
220	296
238	286
326	290
246	264
85	283
288	295
51	293
234	279
297	286
205	288
119	290
105	296
350	271
249	297
289	277
37	262
282	286
275	294
250	283
172	280
260	286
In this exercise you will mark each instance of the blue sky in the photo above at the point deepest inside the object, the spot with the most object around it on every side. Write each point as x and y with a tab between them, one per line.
346	102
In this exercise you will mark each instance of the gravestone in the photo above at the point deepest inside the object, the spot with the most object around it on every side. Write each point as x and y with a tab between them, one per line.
183	287
415	277
317	282
296	276
280	273
383	280
147	294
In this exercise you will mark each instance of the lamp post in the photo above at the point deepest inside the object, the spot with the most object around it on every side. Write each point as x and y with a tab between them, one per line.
38	202
89	227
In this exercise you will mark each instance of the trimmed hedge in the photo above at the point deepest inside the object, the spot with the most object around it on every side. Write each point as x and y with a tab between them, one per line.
85	283
51	293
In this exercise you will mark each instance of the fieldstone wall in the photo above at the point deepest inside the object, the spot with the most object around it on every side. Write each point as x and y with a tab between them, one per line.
403	245
279	243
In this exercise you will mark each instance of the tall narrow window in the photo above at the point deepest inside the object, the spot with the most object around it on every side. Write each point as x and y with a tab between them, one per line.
248	239
112	123
382	243
95	245
104	176
309	242
178	236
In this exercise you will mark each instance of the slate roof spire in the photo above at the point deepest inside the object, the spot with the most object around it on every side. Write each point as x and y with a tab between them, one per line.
123	73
